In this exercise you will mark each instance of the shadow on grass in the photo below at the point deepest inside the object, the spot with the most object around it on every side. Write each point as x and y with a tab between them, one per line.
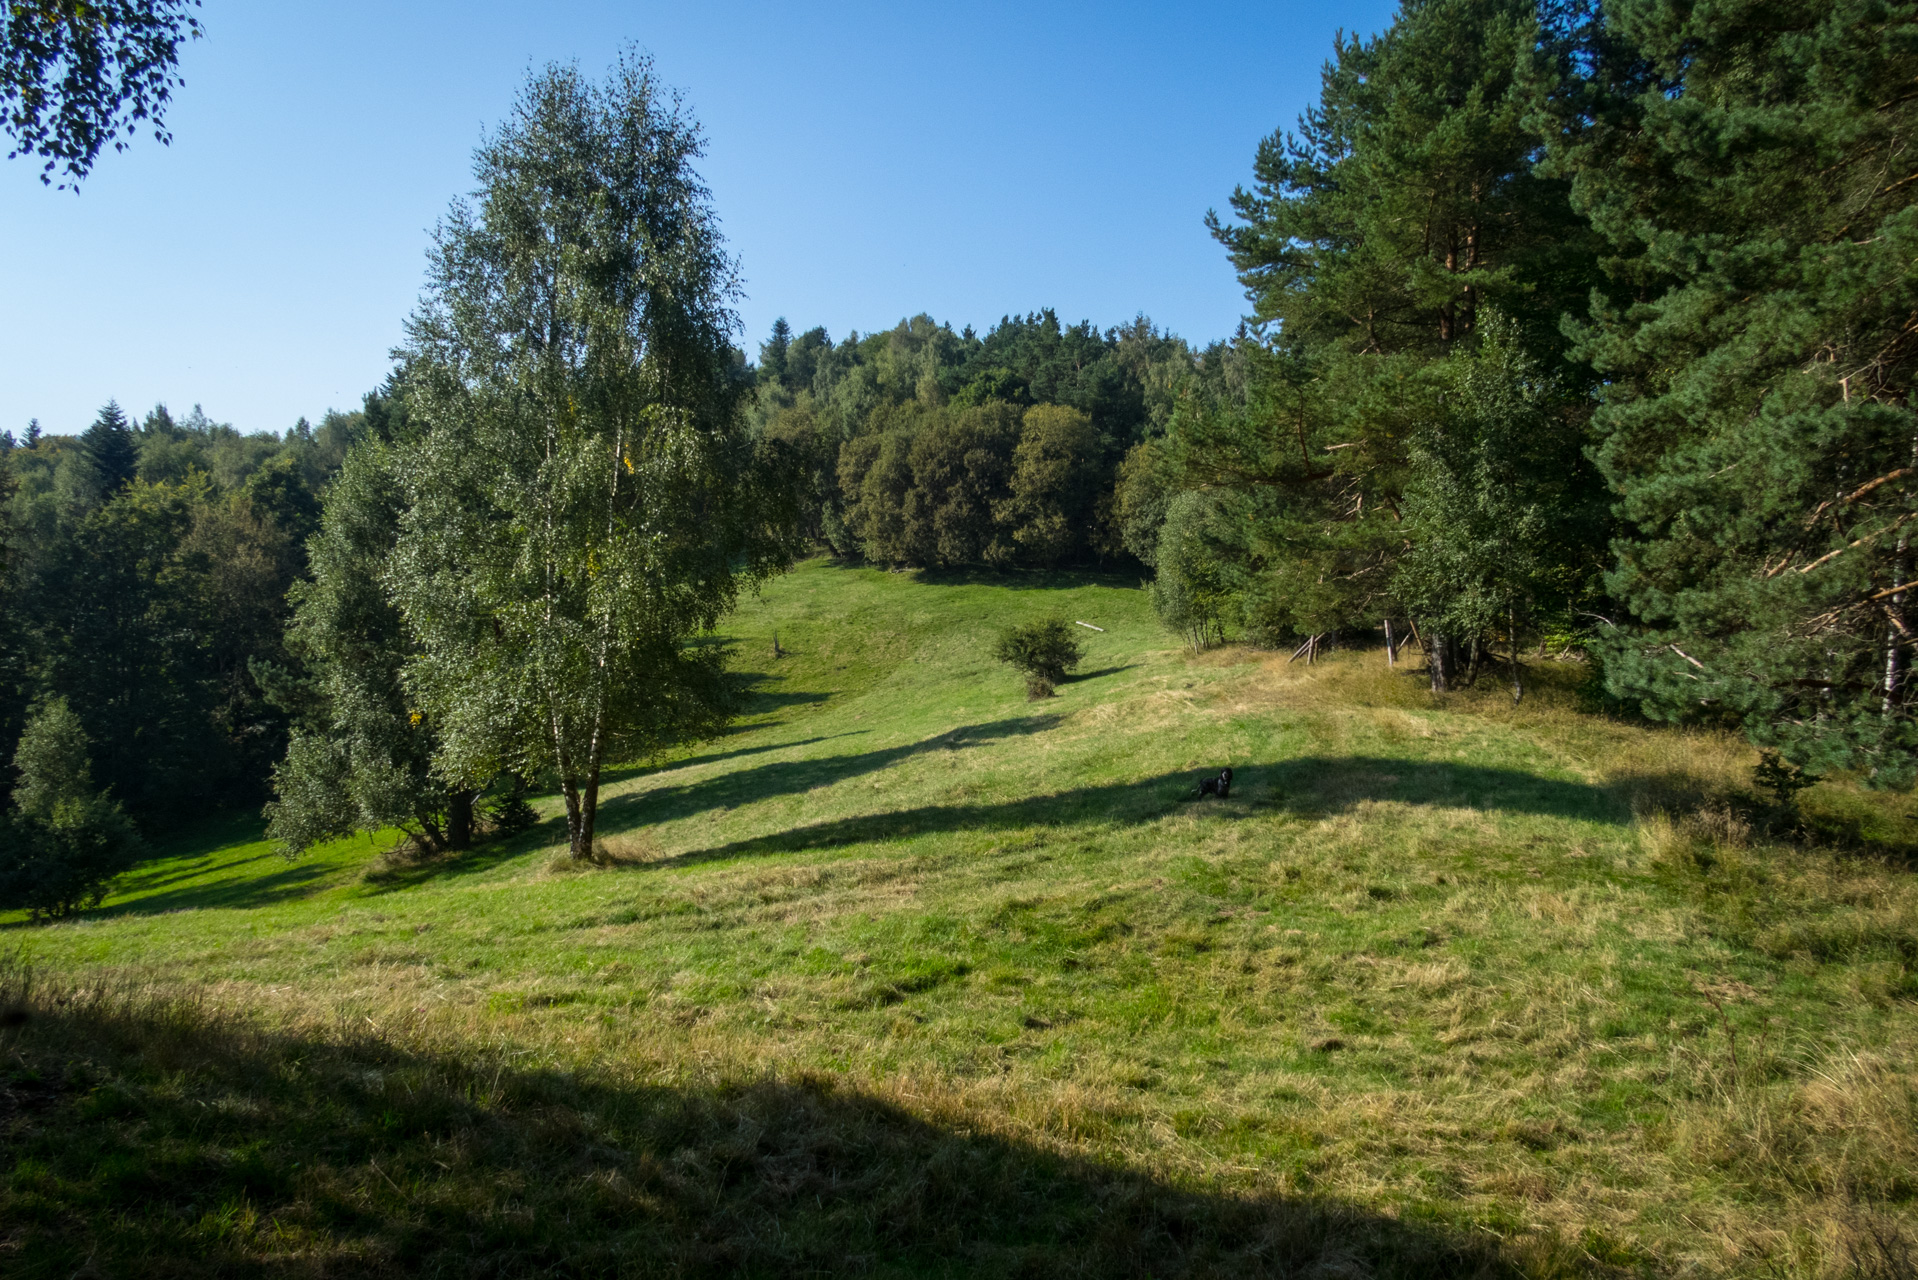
760	699
166	881
1030	579
792	777
241	889
680	800
1078	676
1311	787
154	1138
623	772
393	874
1846	824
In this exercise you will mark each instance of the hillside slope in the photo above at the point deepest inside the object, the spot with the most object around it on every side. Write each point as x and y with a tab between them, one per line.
908	974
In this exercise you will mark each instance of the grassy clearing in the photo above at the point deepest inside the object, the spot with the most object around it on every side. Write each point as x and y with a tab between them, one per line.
909	975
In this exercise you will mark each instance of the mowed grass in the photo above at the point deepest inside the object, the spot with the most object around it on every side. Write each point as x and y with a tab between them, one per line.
907	975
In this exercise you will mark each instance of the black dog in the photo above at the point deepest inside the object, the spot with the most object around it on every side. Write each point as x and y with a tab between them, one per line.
1220	786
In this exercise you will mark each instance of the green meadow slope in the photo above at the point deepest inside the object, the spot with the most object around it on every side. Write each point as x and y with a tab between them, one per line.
907	975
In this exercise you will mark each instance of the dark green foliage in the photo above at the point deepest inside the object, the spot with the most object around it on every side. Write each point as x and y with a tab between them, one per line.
510	814
122	633
1192	590
360	756
987	484
63	841
875	477
1747	168
144	576
1353	468
281	493
109	446
1058	486
1500	510
74	78
1784	780
1043	651
1053	506
772	352
962	464
1408	201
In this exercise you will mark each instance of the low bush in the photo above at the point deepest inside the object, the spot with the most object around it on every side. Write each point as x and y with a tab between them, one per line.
1042	651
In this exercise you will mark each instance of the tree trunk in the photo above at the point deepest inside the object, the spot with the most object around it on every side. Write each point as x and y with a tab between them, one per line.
1518	671
588	816
1389	654
1436	661
1894	635
459	820
569	787
589	802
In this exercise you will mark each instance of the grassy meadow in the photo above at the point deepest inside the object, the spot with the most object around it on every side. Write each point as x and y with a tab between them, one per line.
907	975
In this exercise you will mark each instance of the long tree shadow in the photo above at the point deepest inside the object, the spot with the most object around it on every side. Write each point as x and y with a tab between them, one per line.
625	772
1310	786
148	1137
393	874
761	699
237	891
1078	676
1029	579
792	777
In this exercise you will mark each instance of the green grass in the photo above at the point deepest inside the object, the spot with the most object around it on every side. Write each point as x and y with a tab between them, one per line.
907	975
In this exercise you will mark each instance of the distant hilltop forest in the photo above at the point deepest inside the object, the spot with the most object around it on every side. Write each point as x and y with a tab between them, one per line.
1571	331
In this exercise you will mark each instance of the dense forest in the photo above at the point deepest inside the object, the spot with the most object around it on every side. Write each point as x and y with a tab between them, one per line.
1580	328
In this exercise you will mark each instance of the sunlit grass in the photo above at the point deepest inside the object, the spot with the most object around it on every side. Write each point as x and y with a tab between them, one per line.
1446	984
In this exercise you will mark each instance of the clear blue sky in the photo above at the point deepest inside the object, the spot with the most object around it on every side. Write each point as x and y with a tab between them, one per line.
867	162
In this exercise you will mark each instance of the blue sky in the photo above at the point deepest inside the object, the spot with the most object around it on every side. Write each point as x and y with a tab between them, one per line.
867	162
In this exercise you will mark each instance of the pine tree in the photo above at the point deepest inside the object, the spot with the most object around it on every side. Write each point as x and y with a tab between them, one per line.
772	352
110	447
1373	244
1749	168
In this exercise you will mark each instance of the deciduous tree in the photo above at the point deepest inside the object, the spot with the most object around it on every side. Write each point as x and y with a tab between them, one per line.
582	500
76	75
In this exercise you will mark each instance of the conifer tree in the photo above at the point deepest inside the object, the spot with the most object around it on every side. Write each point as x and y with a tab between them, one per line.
772	352
1374	242
64	841
360	756
1750	171
110	447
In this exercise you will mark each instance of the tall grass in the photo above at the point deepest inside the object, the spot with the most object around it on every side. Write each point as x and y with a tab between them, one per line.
910	976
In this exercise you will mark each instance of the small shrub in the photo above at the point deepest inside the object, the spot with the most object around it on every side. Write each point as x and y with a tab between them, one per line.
1784	780
509	815
1042	651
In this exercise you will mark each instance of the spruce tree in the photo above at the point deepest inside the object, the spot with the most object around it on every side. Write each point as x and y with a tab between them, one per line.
1749	169
110	447
772	352
64	841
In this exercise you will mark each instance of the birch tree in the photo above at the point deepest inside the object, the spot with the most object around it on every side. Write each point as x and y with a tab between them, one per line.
582	502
